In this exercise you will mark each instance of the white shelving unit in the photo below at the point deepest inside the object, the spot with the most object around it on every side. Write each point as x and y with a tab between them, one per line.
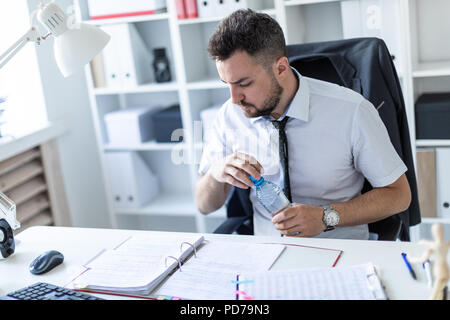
423	66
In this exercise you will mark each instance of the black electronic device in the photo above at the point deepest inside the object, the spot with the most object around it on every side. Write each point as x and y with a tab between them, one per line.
161	65
46	262
8	223
46	291
7	245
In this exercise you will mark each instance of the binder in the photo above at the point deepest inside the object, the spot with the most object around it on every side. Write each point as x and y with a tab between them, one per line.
98	71
149	265
138	265
181	10
191	8
126	59
221	7
426	182
131	182
206	8
443	182
233	5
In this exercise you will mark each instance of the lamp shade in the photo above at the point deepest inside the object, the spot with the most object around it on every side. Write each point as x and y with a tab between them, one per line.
74	46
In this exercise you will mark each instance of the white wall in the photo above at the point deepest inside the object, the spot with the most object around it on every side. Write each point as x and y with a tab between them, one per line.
67	98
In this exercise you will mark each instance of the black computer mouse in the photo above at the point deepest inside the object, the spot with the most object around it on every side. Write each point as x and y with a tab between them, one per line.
46	262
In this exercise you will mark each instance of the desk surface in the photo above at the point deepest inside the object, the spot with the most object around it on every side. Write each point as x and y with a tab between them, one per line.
80	244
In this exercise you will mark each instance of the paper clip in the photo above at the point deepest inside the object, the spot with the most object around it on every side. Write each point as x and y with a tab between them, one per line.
179	263
193	247
243	295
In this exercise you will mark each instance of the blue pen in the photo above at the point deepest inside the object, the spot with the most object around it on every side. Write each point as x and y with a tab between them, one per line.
413	274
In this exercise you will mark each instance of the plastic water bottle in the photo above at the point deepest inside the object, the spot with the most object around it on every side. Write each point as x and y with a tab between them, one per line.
270	196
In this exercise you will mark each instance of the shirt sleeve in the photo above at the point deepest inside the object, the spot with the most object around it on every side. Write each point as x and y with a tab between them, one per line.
373	153
214	143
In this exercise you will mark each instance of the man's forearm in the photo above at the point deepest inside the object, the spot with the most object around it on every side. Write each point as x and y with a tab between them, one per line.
376	204
210	194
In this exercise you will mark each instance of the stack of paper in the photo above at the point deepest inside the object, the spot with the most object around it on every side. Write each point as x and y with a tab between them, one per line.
340	283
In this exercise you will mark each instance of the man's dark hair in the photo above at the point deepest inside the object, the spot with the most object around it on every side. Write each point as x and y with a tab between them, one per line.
258	34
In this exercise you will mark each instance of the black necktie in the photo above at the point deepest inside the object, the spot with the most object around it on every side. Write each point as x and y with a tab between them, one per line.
284	157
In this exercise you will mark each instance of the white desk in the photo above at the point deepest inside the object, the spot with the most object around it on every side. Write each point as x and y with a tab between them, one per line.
80	244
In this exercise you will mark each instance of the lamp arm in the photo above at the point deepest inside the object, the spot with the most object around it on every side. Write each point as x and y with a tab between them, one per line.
32	35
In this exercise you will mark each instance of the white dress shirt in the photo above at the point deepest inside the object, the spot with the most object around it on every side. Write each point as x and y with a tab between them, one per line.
335	139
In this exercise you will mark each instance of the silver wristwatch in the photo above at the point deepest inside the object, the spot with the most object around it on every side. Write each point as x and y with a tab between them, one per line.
330	217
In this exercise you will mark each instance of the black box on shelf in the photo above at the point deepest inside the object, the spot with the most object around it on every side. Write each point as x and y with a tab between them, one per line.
165	122
432	113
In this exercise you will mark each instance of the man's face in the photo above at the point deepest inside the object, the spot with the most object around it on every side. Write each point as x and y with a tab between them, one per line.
252	87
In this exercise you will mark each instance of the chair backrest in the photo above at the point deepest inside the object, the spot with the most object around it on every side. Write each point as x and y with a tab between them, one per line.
365	66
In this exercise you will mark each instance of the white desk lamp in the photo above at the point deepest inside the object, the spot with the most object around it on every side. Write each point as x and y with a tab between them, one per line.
74	47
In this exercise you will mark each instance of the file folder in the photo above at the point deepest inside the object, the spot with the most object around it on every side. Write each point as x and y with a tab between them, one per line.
181	9
443	181
126	58
191	8
206	8
132	183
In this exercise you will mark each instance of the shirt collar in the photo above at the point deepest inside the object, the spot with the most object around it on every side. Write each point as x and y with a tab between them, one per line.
299	106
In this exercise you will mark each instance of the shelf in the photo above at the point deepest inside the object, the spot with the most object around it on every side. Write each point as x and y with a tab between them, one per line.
199	20
168	204
147	146
22	141
436	220
433	143
206	84
432	69
142	18
271	12
151	87
288	3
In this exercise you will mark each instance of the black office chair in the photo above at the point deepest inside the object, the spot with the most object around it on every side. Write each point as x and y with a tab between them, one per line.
365	66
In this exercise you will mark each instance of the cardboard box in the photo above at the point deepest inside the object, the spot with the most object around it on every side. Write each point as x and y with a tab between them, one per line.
129	126
433	116
165	122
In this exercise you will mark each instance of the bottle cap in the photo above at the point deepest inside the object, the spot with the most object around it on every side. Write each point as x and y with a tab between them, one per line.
257	182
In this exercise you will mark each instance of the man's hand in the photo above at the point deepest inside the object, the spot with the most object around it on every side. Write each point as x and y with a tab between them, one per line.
303	218
236	169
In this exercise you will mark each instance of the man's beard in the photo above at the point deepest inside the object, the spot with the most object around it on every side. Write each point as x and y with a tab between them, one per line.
268	105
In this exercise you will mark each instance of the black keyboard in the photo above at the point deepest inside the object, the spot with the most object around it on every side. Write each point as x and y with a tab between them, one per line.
46	291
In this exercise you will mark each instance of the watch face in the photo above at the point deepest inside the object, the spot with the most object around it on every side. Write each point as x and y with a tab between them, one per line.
332	218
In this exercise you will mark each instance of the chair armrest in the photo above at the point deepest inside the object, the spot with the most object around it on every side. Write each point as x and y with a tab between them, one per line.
234	224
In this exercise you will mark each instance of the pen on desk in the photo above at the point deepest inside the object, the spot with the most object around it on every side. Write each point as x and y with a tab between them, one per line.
237	287
413	274
427	268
